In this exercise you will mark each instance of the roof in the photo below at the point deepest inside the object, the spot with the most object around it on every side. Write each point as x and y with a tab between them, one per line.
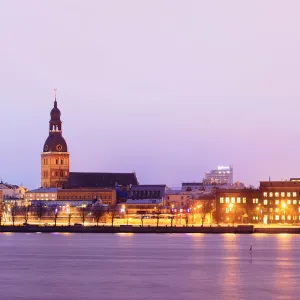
192	183
81	179
144	201
44	190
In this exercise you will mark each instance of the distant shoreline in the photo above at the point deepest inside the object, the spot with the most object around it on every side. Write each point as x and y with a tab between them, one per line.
248	229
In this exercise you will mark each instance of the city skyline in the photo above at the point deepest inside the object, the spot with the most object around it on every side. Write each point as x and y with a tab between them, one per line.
169	96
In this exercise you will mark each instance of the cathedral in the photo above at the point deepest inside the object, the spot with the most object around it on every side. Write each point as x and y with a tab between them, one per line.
55	164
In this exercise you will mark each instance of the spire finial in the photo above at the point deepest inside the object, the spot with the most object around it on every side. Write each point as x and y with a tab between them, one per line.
55	103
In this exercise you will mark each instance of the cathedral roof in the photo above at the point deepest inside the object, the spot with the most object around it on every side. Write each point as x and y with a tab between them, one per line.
55	143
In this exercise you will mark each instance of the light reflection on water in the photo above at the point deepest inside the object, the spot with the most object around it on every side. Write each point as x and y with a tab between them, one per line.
149	266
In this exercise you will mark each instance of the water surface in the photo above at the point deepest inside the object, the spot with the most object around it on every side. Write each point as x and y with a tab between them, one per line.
148	266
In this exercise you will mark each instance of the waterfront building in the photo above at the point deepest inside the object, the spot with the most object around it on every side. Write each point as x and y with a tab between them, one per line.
221	175
72	197
55	168
11	191
281	201
238	206
145	198
55	156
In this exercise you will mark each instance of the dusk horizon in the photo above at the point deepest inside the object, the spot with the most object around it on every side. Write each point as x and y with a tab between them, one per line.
169	90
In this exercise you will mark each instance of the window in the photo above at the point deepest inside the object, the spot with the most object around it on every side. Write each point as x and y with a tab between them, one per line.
232	199
277	202
282	194
271	194
265	202
227	199
57	161
265	194
227	210
276	194
294	201
221	200
61	161
299	209
244	199
276	209
288	201
283	217
271	209
282	202
294	194
255	200
238	200
288	194
289	217
277	218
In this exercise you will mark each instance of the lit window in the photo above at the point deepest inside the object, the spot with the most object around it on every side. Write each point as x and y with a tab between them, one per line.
276	209
232	200
221	200
271	209
288	194
276	194
271	194
227	210
227	199
288	202
294	194
253	200
277	202
282	194
238	200
42	195
244	199
253	217
294	201
265	194
265	202
299	209
276	217
289	217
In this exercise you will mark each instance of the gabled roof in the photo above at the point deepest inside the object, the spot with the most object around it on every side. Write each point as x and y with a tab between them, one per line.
44	190
81	179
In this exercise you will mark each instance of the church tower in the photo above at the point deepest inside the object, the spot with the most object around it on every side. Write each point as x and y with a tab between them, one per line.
55	157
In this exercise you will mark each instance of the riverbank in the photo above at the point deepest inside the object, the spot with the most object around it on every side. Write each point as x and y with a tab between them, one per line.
240	229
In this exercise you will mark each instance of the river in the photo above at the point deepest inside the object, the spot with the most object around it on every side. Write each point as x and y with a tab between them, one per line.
149	266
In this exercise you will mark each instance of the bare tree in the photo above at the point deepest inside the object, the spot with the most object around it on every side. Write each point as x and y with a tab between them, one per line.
206	208
82	213
172	219
40	210
157	214
98	213
112	211
14	211
54	215
25	211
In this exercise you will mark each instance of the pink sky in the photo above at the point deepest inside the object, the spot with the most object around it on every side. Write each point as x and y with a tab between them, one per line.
169	89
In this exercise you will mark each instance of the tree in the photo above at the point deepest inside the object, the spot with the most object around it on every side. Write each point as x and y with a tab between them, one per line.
98	213
172	219
14	211
82	213
2	208
25	211
54	215
186	219
112	211
40	211
157	214
206	208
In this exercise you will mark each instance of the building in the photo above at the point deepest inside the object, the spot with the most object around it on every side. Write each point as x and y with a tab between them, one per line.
145	198
55	156
280	201
192	186
238	206
72	197
222	175
55	169
11	191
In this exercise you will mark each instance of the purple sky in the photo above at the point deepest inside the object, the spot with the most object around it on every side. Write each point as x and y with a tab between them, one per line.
169	89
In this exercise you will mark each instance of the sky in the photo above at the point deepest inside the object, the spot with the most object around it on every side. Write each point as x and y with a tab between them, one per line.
168	89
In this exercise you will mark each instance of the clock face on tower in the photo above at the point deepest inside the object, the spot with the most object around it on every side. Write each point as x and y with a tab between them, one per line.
59	147
46	148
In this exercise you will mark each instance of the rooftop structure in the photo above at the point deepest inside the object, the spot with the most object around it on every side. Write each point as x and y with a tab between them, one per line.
221	175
